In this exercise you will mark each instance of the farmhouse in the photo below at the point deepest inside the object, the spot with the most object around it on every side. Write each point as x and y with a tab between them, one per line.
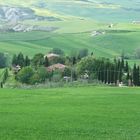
58	66
51	56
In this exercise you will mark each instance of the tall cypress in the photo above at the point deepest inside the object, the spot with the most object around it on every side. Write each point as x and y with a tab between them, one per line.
135	75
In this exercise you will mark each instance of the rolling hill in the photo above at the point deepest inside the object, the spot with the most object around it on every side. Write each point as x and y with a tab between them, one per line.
70	25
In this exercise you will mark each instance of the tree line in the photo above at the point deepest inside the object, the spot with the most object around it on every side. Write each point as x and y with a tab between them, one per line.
79	63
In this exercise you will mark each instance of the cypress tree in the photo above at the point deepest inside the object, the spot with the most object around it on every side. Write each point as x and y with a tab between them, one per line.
27	61
14	60
46	62
135	75
126	67
20	59
138	76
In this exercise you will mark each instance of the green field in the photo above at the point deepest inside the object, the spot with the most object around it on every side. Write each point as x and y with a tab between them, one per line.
78	19
111	44
70	113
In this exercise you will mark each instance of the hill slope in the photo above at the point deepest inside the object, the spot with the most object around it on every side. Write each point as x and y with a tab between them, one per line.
70	25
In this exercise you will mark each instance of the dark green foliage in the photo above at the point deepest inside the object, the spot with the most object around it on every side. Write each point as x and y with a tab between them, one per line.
66	72
46	62
25	75
126	67
57	51
27	61
57	76
34	79
38	60
104	70
56	60
20	60
136	75
82	53
3	60
14	60
42	73
4	77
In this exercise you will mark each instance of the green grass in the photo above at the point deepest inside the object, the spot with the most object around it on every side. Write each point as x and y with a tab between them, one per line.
109	45
70	113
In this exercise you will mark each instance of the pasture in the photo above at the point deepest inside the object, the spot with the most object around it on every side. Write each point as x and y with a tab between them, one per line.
82	113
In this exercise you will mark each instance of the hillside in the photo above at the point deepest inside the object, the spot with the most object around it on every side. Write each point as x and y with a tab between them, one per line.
38	26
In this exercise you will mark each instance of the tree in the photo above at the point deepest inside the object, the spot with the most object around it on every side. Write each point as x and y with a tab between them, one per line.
25	75
57	60
135	75
83	53
20	60
3	60
138	76
27	61
126	68
66	72
34	79
42	73
46	62
14	60
38	60
57	51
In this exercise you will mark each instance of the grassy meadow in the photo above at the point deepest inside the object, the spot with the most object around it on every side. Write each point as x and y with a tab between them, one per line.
81	113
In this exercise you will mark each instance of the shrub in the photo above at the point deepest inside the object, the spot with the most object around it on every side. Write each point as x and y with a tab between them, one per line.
25	75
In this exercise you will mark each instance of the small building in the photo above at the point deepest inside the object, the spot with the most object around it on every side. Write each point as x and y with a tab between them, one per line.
58	66
51	56
16	69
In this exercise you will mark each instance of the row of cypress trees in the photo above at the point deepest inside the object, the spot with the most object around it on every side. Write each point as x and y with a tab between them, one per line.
109	72
136	75
114	72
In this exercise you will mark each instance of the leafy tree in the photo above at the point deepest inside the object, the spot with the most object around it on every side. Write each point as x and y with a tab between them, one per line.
25	75
66	72
42	73
38	60
34	79
57	76
86	64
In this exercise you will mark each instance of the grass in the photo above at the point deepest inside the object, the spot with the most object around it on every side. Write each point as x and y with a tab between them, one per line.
70	113
74	31
109	45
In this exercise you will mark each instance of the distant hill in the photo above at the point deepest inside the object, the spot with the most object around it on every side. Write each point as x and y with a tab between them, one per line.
104	10
106	27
